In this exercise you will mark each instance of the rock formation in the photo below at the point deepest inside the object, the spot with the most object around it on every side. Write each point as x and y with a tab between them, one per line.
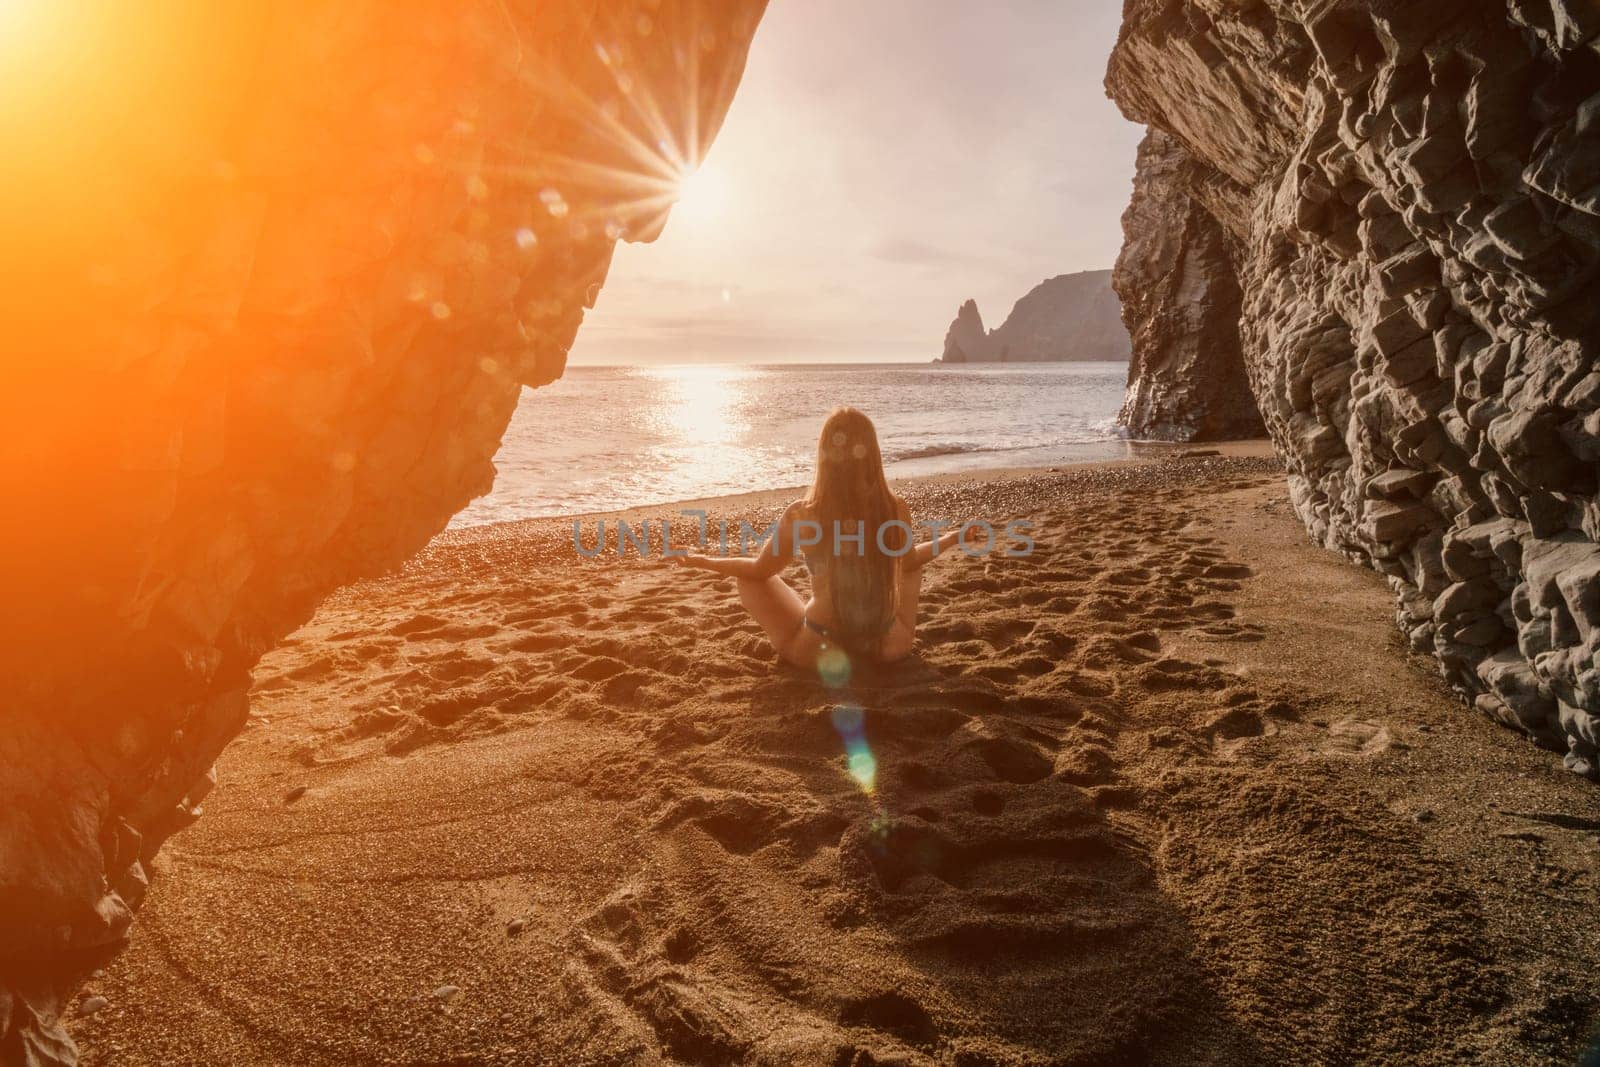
1410	190
1068	317
966	335
1180	301
275	276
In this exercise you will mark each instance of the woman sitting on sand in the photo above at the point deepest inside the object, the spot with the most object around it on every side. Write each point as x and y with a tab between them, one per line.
855	535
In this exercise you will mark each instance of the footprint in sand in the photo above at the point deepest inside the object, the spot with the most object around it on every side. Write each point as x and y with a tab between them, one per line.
1359	738
892	1013
1129	576
1026	879
595	668
1000	758
1173	673
538	642
631	976
1235	724
416	625
1051	640
1085	764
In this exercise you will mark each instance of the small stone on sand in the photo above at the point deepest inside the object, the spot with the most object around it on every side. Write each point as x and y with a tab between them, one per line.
90	1005
294	794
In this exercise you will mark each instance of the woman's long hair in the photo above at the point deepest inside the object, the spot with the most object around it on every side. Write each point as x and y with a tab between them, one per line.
850	490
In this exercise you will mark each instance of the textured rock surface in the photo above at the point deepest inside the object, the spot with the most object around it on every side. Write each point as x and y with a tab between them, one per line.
274	280
1180	300
1068	317
1413	193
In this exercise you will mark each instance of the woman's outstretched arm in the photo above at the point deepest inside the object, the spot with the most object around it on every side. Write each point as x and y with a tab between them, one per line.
732	566
773	555
920	556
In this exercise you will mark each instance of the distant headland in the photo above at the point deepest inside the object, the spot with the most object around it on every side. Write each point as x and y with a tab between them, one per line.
1068	317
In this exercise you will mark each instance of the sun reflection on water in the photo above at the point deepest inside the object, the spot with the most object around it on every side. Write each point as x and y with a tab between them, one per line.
701	416
701	405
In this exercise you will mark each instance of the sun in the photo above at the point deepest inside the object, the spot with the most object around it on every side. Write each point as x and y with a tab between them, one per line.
702	194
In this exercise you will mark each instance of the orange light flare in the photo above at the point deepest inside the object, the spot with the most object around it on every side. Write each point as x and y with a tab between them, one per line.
80	80
125	129
104	109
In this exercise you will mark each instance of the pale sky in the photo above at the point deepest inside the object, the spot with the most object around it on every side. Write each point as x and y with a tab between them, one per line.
883	161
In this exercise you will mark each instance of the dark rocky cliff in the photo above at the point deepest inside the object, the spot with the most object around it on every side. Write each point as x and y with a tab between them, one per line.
1180	301
1409	197
1068	317
267	315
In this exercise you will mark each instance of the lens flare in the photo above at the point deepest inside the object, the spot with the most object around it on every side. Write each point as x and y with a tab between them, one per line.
851	721
864	768
650	143
834	667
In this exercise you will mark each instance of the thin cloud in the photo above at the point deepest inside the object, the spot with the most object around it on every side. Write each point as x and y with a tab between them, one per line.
912	251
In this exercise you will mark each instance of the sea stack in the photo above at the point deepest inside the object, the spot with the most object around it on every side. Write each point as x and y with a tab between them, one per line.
966	339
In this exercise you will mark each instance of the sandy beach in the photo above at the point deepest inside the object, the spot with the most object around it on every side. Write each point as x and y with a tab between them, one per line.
1167	790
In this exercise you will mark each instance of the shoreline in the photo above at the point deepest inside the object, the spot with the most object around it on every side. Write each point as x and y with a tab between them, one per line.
928	430
1255	448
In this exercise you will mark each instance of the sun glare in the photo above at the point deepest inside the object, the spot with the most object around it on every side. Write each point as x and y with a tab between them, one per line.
16	18
655	166
702	194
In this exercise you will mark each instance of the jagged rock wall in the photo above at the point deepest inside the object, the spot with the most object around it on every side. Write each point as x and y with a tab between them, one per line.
274	276
1180	301
1415	190
1068	317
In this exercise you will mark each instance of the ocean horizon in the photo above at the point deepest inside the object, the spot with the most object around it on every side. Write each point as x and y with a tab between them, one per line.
609	437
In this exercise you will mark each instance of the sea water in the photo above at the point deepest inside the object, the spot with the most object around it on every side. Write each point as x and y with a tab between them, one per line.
606	438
